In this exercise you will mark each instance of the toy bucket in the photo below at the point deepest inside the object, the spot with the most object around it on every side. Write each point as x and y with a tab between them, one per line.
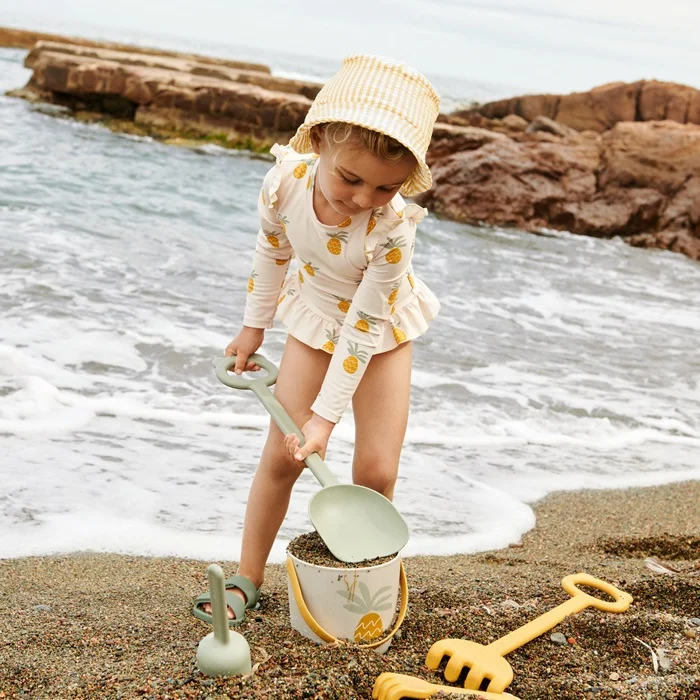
329	605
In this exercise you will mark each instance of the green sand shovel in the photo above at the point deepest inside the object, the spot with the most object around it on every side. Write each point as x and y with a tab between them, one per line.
356	523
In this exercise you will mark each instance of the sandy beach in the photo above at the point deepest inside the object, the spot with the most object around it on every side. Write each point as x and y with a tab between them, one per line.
112	626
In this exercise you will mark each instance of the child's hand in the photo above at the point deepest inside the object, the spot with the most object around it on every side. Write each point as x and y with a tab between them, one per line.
316	433
243	346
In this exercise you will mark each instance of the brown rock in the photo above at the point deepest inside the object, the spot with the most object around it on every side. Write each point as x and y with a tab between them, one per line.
614	212
449	138
513	122
505	182
660	155
178	64
527	106
639	180
602	107
660	101
547	125
169	89
683	242
683	208
23	39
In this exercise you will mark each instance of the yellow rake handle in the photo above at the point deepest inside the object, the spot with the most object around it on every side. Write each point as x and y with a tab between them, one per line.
327	636
578	601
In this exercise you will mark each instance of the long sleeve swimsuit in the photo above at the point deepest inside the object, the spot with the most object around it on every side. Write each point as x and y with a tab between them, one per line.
351	292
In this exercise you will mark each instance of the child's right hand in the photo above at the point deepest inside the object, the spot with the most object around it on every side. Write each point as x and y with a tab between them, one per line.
243	346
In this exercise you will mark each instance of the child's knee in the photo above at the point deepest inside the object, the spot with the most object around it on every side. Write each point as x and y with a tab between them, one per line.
281	465
378	476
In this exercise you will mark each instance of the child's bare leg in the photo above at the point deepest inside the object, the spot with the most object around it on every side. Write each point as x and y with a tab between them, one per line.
301	374
380	406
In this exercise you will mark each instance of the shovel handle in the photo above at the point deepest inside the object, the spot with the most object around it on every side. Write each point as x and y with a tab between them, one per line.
222	365
578	601
260	387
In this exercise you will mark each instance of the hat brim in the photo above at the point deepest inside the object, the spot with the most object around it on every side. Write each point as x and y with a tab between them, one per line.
418	181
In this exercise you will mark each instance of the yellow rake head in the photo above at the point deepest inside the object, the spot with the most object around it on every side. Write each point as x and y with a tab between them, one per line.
483	664
393	686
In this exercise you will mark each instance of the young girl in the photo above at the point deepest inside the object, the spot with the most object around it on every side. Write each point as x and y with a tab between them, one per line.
352	304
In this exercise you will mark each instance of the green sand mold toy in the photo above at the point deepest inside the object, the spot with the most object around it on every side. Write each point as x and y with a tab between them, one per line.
355	522
222	652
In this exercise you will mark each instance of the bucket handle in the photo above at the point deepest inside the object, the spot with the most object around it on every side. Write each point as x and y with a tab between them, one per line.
326	636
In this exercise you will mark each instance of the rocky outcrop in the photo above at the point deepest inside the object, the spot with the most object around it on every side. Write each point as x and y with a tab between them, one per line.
599	109
638	180
170	94
24	39
619	160
45	51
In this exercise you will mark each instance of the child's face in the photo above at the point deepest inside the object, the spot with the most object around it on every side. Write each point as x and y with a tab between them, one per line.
353	180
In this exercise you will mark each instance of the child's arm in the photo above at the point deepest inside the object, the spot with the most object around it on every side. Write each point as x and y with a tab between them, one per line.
366	320
270	263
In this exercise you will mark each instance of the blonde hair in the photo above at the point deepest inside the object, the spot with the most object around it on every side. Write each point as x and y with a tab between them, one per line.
381	145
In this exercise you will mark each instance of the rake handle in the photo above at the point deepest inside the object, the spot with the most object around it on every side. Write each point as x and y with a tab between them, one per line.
578	601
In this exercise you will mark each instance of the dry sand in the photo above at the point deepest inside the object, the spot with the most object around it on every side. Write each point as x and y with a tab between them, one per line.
120	626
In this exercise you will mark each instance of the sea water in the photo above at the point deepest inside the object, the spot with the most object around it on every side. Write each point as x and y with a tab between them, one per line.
558	362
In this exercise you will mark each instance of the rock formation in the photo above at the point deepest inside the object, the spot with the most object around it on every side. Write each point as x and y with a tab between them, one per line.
638	180
619	160
170	94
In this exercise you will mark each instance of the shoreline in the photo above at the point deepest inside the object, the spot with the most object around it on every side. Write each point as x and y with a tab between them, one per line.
120	626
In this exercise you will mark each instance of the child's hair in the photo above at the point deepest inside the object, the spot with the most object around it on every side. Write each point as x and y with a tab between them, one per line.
379	144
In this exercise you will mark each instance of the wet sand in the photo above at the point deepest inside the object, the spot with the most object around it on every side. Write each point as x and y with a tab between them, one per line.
114	626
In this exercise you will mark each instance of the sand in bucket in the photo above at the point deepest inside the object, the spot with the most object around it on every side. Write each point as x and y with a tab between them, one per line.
337	600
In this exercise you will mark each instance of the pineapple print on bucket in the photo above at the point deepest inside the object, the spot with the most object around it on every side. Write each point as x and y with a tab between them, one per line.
369	606
335	242
355	356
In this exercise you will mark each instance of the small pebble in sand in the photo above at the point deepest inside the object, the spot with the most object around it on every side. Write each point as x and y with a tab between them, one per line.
310	548
614	676
559	638
42	608
694	621
690	633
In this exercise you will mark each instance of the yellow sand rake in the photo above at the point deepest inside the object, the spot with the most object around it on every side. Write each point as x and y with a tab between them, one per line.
486	662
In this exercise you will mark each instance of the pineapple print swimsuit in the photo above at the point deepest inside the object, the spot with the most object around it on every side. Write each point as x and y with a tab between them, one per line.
352	292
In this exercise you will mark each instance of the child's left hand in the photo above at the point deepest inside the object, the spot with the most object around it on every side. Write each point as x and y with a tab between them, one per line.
316	433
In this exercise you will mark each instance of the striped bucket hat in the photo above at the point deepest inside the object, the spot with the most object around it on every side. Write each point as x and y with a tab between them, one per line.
382	95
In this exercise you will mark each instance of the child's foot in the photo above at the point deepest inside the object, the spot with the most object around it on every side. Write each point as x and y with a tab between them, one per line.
241	595
206	607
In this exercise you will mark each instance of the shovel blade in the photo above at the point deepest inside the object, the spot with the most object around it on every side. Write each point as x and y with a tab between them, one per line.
356	523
